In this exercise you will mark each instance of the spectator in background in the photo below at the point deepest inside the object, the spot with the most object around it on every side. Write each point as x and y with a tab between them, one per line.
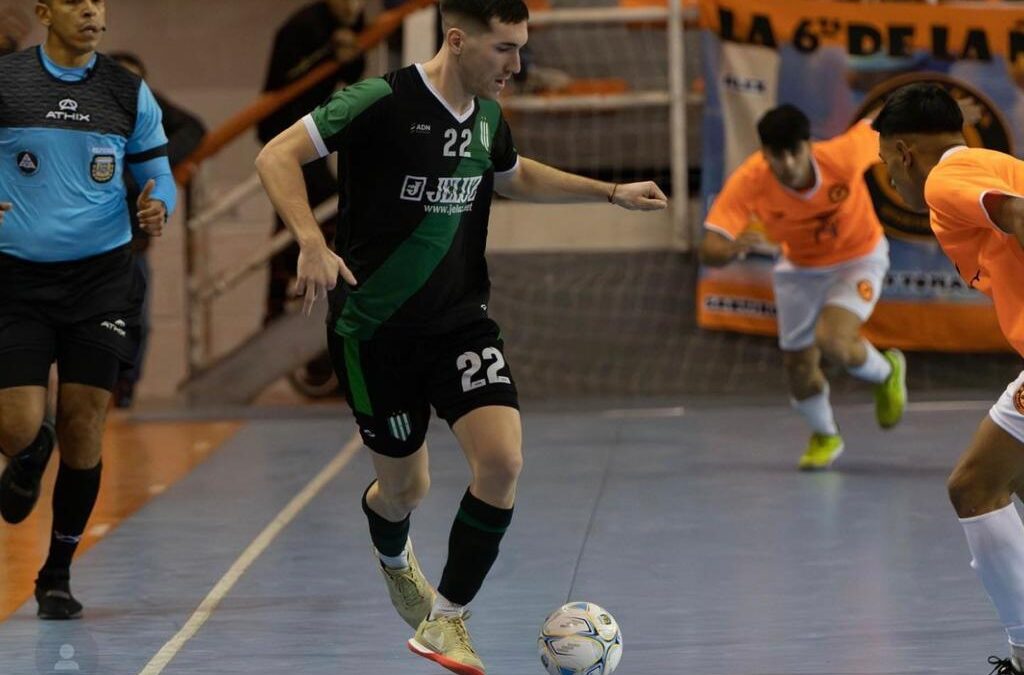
316	33
184	134
14	26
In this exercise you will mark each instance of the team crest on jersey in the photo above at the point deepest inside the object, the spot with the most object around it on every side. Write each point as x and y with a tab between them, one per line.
102	168
838	193
28	164
1018	399
485	134
865	290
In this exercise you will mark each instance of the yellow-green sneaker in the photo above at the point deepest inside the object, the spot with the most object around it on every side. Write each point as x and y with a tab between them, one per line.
891	395
822	450
411	593
445	641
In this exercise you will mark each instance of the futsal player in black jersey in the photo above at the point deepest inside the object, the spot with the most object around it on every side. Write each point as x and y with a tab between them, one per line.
421	152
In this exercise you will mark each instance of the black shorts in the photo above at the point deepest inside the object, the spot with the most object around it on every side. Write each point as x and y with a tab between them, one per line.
68	311
391	382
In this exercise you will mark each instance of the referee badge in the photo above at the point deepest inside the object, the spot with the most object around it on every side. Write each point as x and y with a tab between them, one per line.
1018	399
28	164
102	168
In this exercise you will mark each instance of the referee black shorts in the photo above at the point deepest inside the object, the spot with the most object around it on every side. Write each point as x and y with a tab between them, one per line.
84	314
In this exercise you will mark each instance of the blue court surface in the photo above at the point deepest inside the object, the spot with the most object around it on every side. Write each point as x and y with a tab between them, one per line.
688	522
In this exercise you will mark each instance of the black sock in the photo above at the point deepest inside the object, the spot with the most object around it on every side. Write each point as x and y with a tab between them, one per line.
35	457
388	538
74	497
472	548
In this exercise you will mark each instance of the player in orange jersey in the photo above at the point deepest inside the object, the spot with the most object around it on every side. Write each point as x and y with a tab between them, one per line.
977	214
812	199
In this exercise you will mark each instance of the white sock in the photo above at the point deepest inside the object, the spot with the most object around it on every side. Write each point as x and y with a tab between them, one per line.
398	562
1017	655
996	541
818	412
876	368
445	607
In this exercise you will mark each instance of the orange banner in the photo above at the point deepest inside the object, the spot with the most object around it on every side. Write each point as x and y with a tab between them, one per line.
952	32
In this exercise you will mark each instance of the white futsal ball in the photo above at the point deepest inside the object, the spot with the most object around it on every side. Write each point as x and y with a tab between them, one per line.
580	639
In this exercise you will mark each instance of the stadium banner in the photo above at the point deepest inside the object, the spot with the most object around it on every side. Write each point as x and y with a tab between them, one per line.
835	61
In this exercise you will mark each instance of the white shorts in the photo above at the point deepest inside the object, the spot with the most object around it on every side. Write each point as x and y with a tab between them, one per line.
801	293
1008	412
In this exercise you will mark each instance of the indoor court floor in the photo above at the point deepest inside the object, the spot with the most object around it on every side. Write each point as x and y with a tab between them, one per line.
688	522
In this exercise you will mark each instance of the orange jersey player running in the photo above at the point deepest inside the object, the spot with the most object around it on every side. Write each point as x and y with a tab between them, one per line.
811	197
977	213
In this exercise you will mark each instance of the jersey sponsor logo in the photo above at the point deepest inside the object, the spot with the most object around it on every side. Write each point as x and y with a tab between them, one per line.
865	290
485	134
737	305
68	112
990	131
28	164
1018	399
838	192
102	168
419	129
117	326
449	195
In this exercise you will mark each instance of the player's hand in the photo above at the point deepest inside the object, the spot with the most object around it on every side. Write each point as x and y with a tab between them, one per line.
752	240
645	196
152	213
4	208
344	42
318	272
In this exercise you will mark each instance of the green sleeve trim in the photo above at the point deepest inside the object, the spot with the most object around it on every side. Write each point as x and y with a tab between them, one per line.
344	106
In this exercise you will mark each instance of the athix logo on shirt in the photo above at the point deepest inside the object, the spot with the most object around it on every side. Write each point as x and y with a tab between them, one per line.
449	196
68	112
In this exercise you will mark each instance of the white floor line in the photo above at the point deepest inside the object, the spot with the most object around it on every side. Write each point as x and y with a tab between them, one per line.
209	604
630	413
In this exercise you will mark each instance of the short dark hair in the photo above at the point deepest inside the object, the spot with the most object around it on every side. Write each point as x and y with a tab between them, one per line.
482	11
920	108
129	58
783	128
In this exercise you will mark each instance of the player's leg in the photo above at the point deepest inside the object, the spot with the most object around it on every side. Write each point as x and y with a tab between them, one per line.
380	387
851	298
980	488
472	389
799	294
26	436
87	377
809	395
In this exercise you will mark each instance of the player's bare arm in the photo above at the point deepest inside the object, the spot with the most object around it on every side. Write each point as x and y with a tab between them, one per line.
280	168
537	182
4	208
717	250
1007	212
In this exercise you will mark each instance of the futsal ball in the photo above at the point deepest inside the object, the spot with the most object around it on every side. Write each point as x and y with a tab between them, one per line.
580	639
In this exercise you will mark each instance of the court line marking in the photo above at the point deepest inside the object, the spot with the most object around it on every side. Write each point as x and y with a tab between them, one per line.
260	544
919	406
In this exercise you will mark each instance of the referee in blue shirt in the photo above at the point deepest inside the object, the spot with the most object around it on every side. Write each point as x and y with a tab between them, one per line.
71	122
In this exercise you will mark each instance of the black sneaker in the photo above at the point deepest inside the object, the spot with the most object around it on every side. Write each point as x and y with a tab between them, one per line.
1002	666
53	593
19	483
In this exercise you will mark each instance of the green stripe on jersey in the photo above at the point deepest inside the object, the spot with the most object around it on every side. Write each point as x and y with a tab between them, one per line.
413	262
343	106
